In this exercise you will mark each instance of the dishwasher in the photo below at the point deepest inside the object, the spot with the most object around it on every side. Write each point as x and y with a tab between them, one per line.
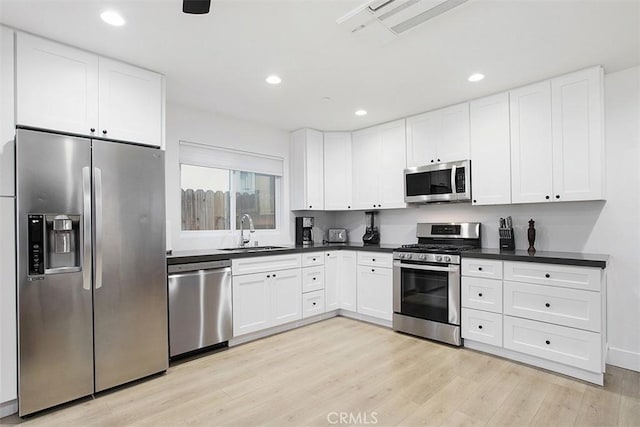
199	306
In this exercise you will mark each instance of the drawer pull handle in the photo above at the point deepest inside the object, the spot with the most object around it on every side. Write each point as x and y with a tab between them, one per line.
479	326
480	294
479	268
314	303
546	304
372	270
315	279
268	276
548	342
374	260
313	259
547	275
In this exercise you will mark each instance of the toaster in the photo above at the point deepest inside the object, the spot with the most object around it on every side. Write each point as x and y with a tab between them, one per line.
337	235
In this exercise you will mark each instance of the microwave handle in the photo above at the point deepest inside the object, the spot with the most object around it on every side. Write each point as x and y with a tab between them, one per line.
453	179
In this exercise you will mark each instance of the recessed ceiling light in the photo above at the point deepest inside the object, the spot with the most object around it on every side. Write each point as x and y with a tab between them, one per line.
361	113
112	17
476	77
273	80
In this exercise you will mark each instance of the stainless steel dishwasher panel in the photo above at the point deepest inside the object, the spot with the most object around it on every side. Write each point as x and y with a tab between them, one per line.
199	306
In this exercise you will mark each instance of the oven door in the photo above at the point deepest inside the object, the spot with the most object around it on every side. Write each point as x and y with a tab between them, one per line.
426	291
437	183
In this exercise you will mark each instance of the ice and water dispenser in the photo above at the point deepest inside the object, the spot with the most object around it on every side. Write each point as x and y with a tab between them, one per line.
54	244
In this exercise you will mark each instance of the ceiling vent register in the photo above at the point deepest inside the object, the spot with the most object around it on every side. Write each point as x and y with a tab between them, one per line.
394	16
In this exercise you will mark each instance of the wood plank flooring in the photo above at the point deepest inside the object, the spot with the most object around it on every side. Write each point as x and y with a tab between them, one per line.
363	373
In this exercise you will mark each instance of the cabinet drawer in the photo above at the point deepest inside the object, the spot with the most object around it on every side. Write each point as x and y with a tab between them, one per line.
482	326
487	268
265	263
312	258
482	294
572	347
551	274
563	306
375	259
312	278
312	303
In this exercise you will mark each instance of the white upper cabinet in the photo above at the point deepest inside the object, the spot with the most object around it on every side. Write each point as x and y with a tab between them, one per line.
557	143
531	143
438	136
490	150
57	86
378	164
130	103
578	141
307	174
7	116
337	171
70	90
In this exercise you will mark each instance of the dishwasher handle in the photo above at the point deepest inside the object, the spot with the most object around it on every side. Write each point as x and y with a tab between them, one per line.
196	266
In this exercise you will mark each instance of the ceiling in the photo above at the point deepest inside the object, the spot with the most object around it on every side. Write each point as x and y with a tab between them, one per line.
219	62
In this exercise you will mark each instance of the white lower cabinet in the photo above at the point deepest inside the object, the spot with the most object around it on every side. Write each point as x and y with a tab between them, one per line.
547	315
482	326
312	303
268	298
340	280
375	292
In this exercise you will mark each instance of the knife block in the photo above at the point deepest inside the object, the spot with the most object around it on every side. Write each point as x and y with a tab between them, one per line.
507	240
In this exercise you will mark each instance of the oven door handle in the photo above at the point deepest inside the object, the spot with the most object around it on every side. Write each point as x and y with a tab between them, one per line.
429	267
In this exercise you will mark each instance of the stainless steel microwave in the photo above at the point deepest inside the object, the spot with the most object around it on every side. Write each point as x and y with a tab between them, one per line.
440	182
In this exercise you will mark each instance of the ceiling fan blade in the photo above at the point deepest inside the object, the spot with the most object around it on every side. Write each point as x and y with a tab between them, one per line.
197	7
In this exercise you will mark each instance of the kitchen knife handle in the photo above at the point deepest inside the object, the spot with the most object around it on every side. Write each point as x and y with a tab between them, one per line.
86	228
97	192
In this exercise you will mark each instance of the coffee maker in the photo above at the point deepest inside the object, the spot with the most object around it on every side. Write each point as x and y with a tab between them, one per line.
304	230
371	234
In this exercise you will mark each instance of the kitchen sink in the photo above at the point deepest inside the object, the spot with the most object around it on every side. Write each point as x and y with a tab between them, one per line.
256	248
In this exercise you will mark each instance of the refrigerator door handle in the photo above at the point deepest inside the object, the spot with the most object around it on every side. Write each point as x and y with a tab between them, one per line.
86	228
97	191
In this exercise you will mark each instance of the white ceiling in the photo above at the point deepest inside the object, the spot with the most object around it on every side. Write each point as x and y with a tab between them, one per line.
218	62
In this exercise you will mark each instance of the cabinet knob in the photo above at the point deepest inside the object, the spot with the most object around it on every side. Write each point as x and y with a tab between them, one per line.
480	294
268	276
547	275
438	159
431	160
348	207
328	254
310	206
104	131
274	275
475	201
546	197
374	206
548	342
373	270
557	196
313	259
479	326
314	278
93	130
314	303
479	268
379	206
547	305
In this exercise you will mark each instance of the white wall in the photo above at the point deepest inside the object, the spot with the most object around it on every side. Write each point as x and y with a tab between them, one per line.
193	125
611	227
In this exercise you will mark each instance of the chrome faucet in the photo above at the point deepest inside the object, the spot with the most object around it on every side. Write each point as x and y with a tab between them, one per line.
244	241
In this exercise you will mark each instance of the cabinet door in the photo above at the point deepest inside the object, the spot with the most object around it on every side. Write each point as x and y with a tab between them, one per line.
578	141
130	103
332	280
375	292
285	296
490	151
453	141
57	86
531	143
348	274
422	139
314	170
337	171
251	309
392	164
7	116
366	160
8	351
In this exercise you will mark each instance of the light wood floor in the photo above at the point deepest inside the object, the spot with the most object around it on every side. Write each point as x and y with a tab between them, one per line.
310	375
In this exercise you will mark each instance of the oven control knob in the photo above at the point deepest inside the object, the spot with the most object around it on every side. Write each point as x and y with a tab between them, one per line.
447	258
439	258
408	256
401	256
423	256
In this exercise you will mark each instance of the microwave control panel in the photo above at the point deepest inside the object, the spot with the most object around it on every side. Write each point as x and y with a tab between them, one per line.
460	181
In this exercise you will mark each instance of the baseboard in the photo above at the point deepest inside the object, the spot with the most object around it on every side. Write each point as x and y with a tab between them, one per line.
623	359
364	318
8	408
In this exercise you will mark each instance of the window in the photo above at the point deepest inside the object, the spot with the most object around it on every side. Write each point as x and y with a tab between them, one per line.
214	197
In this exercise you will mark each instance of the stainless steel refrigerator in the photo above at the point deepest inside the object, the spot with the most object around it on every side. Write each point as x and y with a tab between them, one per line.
92	293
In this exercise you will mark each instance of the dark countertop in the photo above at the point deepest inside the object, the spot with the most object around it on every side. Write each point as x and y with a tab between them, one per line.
205	255
565	258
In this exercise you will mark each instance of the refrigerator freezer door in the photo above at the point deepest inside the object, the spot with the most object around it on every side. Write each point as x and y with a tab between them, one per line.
130	294
55	356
